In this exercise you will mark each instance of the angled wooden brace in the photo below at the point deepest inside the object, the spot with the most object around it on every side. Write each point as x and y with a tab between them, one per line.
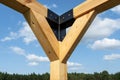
75	34
44	33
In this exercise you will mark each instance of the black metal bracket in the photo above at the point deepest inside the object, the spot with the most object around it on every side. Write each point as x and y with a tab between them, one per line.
60	23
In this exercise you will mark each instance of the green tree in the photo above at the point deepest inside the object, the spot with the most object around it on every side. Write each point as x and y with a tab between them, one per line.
46	76
97	76
105	75
117	76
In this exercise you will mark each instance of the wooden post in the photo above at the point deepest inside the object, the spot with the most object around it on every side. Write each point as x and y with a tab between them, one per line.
59	52
58	70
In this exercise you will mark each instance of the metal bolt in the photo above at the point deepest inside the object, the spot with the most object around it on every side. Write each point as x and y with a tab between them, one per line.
69	14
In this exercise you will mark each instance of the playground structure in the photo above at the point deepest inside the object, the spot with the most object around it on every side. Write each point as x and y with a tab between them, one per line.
50	28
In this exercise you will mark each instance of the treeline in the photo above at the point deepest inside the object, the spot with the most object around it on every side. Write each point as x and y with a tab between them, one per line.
32	76
71	76
96	76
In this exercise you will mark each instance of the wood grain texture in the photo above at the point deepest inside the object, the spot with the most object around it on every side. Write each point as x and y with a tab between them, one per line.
23	6
98	5
44	34
39	8
75	34
16	5
58	70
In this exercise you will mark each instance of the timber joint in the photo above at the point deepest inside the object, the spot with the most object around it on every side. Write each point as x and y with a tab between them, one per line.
59	24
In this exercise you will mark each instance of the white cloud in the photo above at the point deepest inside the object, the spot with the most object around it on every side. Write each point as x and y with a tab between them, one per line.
6	39
10	37
46	6
116	9
112	57
18	50
25	33
101	28
33	60
74	66
106	44
51	6
33	63
19	23
54	6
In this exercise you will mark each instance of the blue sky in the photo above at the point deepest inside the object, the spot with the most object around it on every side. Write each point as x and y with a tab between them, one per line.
21	53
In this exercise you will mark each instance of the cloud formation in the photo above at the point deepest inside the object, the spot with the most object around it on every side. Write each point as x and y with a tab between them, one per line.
25	33
116	9
102	28
33	60
18	50
33	63
51	6
12	36
112	57
73	66
106	44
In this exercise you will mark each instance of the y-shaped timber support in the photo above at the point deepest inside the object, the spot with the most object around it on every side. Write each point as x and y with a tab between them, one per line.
50	28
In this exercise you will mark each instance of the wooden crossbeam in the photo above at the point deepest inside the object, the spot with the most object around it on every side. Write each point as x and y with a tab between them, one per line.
24	5
15	4
98	5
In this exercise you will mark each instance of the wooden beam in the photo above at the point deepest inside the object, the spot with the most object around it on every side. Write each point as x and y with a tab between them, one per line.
44	34
39	8
15	4
75	34
98	5
24	5
58	70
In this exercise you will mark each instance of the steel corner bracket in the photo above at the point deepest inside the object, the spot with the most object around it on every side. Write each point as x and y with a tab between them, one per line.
59	24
